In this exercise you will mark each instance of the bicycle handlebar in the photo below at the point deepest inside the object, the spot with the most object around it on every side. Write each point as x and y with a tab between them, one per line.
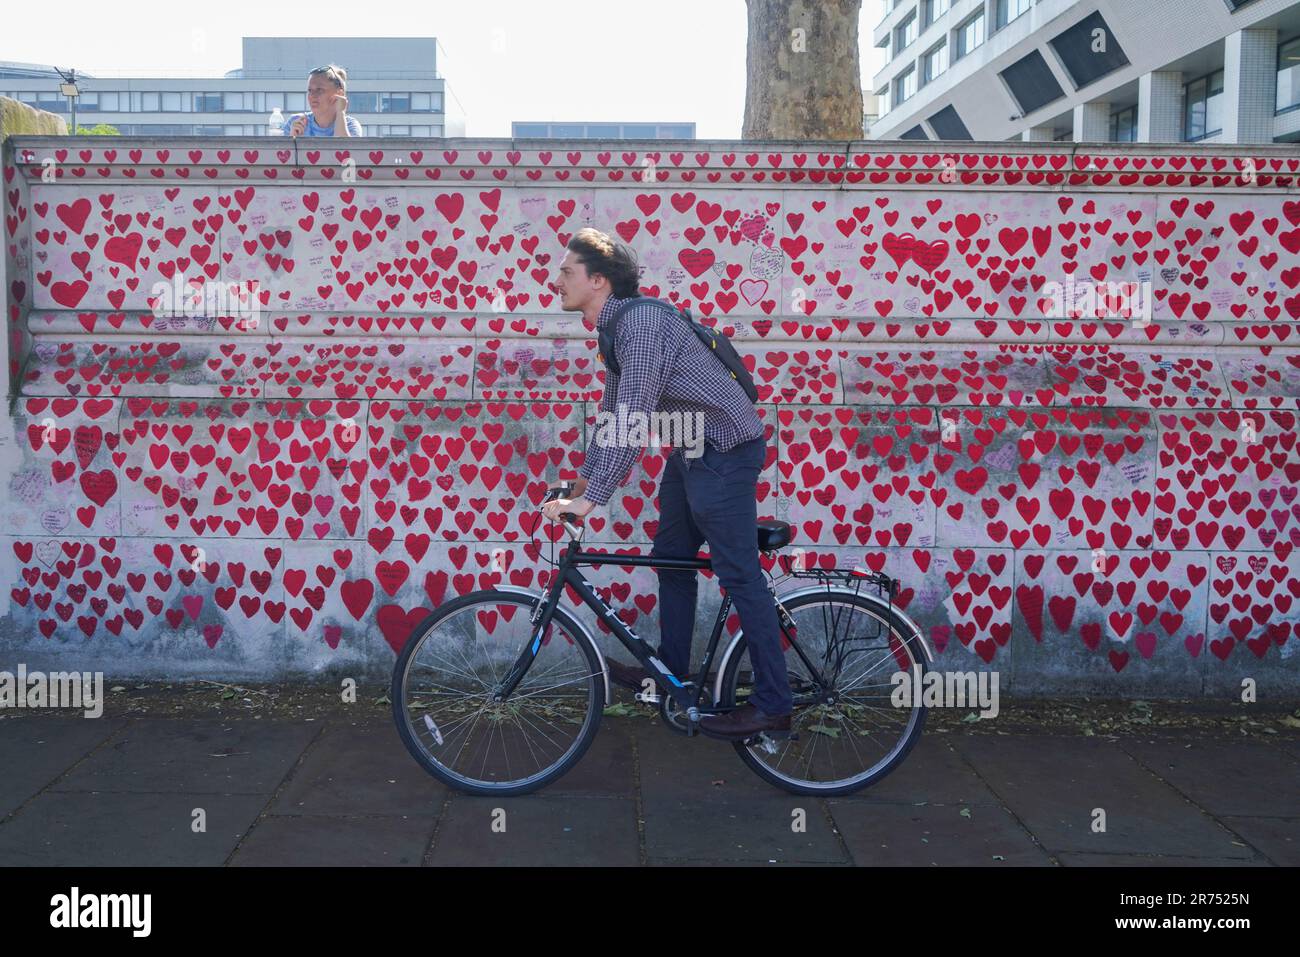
565	490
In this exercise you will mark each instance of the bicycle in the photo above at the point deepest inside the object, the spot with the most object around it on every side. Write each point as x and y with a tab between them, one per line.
493	665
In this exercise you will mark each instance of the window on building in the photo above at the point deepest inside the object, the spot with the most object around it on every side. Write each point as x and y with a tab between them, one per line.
273	100
400	130
1004	11
884	100
234	102
1032	82
296	102
934	62
530	129
915	133
679	131
109	102
607	131
149	102
948	125
420	103
885	50
932	10
395	102
969	35
207	102
436	101
905	32
421	131
1088	50
1203	107
1123	126
905	85
171	103
630	130
53	102
87	101
1288	75
362	101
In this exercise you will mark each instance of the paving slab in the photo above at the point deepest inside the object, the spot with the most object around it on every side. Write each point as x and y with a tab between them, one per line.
179	756
933	771
360	771
1277	838
1248	778
540	831
36	750
1053	784
608	766
895	835
330	841
1290	744
126	829
727	829
670	763
1153	860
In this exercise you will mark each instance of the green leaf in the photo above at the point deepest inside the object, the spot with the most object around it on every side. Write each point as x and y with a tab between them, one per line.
824	729
965	812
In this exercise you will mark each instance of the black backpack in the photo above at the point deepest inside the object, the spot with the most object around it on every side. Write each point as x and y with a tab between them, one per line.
713	340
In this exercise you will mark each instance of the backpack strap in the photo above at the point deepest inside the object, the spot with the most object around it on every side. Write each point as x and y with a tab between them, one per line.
606	337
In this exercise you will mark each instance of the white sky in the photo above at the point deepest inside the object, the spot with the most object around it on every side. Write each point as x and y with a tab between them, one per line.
579	60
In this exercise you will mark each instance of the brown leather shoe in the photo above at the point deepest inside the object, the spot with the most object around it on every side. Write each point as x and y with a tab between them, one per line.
743	723
632	677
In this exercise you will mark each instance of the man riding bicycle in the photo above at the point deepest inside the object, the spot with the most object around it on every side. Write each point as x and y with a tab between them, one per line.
664	368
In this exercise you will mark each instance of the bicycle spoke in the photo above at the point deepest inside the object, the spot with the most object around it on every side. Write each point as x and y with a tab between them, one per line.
451	675
848	729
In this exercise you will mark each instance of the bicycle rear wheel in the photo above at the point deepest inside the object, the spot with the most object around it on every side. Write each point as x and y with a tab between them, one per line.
849	734
443	685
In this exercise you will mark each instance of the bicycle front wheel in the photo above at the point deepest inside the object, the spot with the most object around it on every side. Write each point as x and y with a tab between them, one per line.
849	734
443	705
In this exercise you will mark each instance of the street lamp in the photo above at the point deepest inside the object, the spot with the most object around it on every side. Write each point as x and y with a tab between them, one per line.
69	89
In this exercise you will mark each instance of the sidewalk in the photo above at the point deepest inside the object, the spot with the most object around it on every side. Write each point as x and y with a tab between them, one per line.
339	789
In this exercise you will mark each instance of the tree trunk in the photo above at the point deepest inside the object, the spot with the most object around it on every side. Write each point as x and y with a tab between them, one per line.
804	78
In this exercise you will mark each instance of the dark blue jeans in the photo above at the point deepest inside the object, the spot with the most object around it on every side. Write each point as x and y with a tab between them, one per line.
713	498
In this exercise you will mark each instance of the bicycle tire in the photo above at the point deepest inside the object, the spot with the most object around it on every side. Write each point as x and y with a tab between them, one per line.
596	694
906	635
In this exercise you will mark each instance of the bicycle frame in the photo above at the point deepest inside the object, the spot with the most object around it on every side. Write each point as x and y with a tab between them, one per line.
568	574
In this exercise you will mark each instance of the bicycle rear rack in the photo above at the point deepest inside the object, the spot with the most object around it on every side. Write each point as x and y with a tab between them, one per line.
881	585
884	586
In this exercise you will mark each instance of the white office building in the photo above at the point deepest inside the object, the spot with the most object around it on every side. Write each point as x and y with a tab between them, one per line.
581	130
1146	71
396	87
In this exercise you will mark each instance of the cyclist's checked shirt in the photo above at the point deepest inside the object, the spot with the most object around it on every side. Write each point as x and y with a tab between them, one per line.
665	368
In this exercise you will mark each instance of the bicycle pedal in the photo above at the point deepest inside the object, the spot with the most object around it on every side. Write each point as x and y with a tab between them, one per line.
773	736
647	698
